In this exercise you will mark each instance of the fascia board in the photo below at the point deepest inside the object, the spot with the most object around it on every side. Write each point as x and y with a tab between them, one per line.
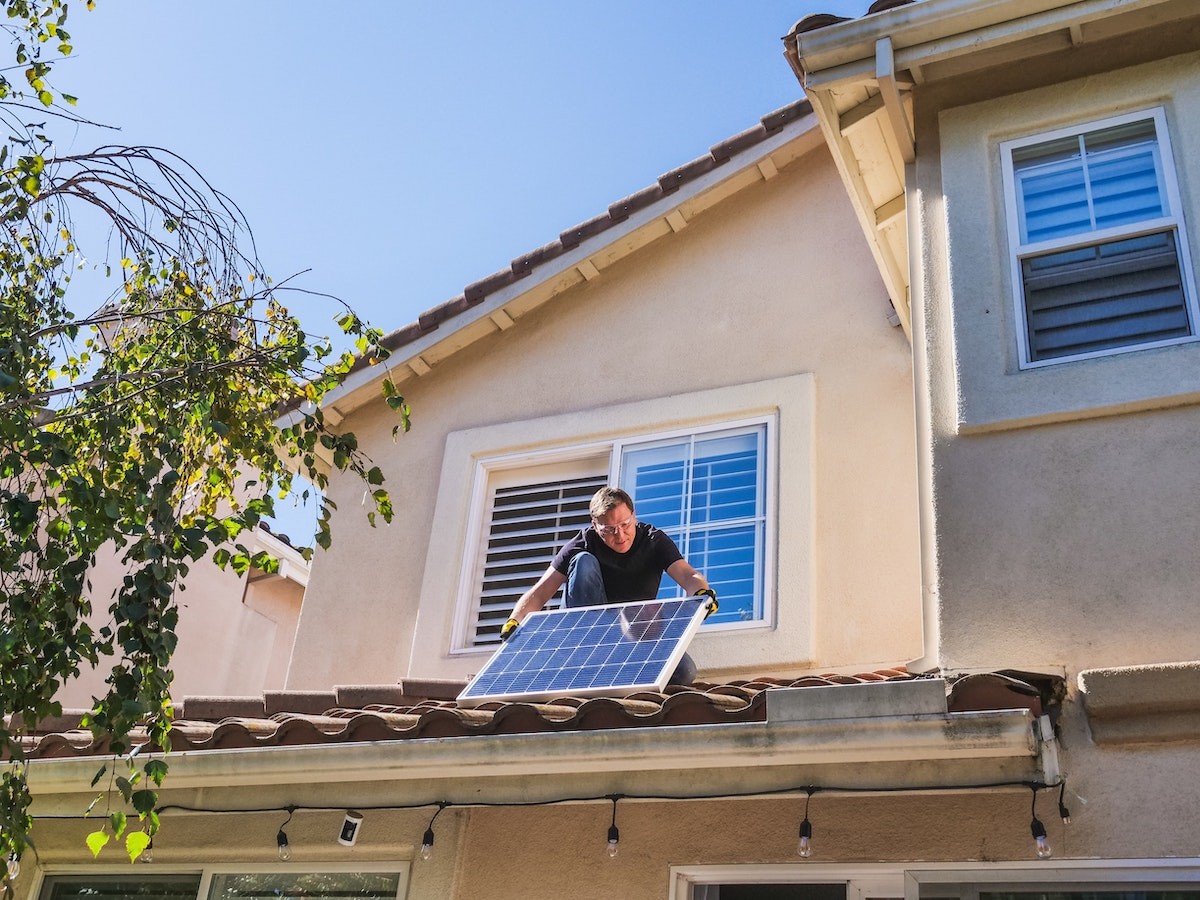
933	30
803	133
984	742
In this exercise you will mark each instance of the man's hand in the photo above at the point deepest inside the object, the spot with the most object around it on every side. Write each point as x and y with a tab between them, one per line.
507	629
711	604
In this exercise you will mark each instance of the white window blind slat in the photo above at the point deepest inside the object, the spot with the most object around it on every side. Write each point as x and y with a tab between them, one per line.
1123	291
526	526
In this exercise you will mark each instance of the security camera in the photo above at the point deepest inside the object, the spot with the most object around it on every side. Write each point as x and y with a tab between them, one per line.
350	824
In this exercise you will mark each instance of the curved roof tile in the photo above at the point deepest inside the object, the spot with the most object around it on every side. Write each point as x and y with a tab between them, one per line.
295	723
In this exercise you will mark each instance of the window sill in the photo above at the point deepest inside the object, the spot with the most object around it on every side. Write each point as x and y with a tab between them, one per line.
1114	384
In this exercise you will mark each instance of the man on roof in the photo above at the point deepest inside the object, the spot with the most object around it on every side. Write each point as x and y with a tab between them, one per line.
616	559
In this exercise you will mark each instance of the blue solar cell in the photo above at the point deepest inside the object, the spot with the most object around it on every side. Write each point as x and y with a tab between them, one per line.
589	651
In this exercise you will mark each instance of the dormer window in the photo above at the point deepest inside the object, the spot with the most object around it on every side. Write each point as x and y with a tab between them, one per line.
1100	262
706	488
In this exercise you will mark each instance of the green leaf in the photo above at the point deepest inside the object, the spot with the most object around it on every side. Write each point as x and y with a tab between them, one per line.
144	801
96	841
116	819
156	770
135	843
46	97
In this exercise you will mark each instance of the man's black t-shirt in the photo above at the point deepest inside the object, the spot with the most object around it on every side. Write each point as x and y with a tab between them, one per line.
633	575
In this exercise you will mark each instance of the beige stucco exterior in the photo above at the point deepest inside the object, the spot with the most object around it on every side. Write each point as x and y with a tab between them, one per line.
1055	513
235	632
1056	510
738	314
1084	527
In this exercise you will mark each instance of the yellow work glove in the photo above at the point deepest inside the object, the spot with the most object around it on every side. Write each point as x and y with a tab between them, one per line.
507	629
711	603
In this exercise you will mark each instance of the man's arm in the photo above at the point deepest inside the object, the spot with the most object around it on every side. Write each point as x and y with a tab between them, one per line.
693	582
684	575
539	595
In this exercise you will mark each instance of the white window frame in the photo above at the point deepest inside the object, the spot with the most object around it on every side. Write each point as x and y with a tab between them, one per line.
399	868
487	472
1057	874
1172	221
767	586
488	469
862	881
906	880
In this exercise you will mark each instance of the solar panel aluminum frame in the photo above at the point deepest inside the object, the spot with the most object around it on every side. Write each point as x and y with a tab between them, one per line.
625	617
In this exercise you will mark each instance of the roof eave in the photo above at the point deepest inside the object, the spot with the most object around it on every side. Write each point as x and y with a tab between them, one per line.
881	57
500	309
929	31
899	751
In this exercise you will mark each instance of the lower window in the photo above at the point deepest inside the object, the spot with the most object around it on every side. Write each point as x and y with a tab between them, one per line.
225	886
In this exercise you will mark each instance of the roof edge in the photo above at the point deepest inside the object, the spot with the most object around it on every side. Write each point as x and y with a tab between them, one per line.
901	751
487	297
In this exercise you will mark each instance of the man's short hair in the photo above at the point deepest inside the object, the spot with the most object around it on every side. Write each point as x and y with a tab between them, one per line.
606	500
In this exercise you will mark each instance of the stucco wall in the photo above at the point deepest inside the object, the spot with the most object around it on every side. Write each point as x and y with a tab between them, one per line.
1062	496
556	851
772	283
226	646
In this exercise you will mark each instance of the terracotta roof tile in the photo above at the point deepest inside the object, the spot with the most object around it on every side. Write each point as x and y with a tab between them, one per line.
477	290
295	718
617	212
733	145
676	178
298	701
577	234
626	206
822	20
526	263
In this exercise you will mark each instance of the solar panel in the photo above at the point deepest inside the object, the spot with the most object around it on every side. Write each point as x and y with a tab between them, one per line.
589	651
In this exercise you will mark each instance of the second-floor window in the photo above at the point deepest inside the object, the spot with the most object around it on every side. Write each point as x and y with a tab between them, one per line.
706	489
1100	254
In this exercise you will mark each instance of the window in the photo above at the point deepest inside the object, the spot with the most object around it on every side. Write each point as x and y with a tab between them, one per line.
1166	879
93	887
527	523
331	885
708	493
707	489
1100	262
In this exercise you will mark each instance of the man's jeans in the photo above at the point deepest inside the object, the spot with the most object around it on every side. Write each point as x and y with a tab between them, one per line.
585	587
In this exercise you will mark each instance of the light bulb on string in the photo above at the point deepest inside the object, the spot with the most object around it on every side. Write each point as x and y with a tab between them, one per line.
614	833
804	845
14	866
427	837
281	839
1063	812
148	854
1038	830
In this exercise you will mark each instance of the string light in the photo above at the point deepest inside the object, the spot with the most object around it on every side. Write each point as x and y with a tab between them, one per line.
614	833
281	839
148	854
1038	830
804	847
427	838
1063	812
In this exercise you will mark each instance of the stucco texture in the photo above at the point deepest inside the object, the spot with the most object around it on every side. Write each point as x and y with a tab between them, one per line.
1060	497
774	282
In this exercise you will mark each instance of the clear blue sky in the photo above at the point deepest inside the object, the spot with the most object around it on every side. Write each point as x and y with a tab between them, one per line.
401	150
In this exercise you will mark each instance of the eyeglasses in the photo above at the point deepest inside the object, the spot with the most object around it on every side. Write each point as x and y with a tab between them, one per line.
611	530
